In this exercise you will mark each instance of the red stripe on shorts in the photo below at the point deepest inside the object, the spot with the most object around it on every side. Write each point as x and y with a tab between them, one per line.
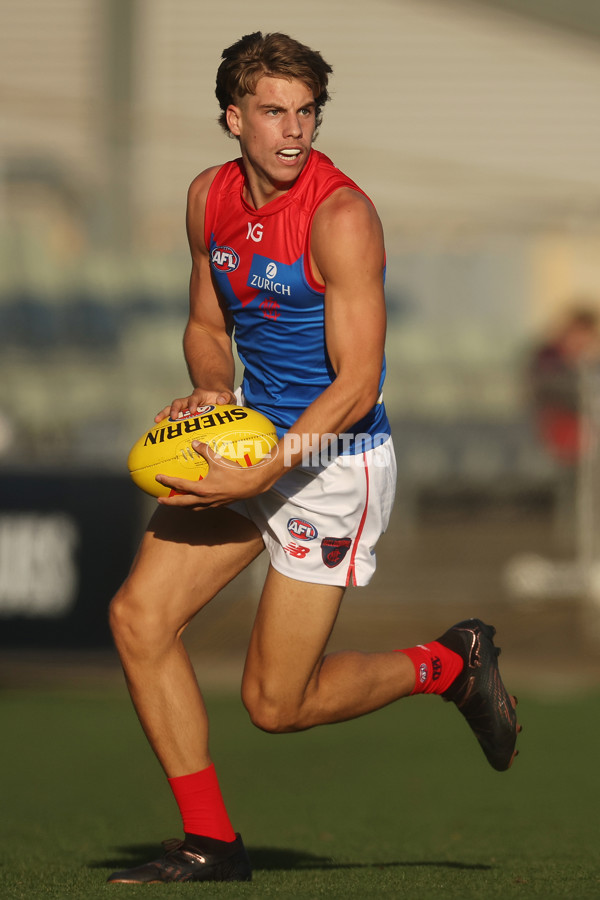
351	576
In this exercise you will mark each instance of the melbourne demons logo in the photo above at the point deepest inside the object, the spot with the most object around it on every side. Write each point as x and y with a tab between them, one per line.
302	530
270	308
334	550
224	259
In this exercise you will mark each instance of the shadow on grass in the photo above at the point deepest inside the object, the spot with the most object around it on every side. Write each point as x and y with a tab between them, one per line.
276	859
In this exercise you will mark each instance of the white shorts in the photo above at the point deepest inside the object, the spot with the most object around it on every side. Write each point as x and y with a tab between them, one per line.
320	524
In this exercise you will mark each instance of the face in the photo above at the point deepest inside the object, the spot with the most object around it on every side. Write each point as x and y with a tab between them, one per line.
275	127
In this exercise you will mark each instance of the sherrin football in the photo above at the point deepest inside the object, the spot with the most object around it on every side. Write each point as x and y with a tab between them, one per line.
235	432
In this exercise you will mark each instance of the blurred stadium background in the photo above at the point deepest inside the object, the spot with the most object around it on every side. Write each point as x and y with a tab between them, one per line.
474	127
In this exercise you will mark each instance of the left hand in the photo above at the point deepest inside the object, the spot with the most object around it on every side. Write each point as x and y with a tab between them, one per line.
225	482
191	404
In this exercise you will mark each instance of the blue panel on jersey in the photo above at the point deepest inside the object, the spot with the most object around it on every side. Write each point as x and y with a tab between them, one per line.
275	278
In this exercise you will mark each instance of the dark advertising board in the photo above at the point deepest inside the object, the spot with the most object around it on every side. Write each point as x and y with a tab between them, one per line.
66	544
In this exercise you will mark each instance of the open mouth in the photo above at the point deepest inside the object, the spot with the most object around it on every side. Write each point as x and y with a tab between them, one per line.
290	154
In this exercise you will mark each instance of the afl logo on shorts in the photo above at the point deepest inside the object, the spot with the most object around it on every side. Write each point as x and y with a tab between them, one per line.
224	259
302	530
334	550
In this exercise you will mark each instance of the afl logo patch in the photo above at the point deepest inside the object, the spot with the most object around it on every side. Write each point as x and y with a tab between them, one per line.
200	410
302	530
224	259
334	550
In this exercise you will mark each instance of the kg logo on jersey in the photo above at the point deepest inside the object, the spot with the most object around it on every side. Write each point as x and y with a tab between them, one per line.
224	259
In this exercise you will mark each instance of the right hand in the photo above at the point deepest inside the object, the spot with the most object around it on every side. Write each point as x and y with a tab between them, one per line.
199	397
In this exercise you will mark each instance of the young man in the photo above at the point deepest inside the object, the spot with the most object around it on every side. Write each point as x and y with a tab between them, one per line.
288	252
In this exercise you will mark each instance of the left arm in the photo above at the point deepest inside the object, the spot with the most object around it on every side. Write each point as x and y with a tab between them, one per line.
347	256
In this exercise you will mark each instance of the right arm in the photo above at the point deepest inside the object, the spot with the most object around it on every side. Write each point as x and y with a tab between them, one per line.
207	337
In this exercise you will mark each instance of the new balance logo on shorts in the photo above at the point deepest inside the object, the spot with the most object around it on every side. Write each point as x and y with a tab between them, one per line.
334	550
296	550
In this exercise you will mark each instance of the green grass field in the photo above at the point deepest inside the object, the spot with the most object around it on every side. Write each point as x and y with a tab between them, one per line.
398	804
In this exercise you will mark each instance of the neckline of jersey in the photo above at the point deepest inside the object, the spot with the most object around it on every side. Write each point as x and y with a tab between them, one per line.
279	203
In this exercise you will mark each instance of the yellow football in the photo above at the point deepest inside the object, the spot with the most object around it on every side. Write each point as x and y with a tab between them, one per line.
235	432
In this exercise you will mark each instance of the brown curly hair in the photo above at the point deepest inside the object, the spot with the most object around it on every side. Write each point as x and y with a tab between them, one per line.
279	55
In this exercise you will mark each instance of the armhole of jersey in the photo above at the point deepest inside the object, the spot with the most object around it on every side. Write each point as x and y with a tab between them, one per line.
212	202
308	272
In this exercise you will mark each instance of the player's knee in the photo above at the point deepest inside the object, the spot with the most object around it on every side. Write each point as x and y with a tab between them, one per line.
122	619
268	711
134	628
271	717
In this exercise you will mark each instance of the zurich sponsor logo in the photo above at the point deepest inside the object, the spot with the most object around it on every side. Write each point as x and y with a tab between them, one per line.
302	530
224	259
270	277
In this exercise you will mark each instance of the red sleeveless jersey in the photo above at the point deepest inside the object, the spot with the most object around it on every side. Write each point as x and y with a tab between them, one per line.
260	259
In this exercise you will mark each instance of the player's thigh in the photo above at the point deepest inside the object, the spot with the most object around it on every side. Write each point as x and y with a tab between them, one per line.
184	559
292	626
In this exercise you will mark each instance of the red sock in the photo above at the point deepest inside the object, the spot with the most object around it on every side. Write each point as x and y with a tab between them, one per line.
436	667
201	805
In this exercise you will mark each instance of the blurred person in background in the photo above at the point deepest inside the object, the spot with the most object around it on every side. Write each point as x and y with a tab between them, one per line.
557	375
555	379
287	256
